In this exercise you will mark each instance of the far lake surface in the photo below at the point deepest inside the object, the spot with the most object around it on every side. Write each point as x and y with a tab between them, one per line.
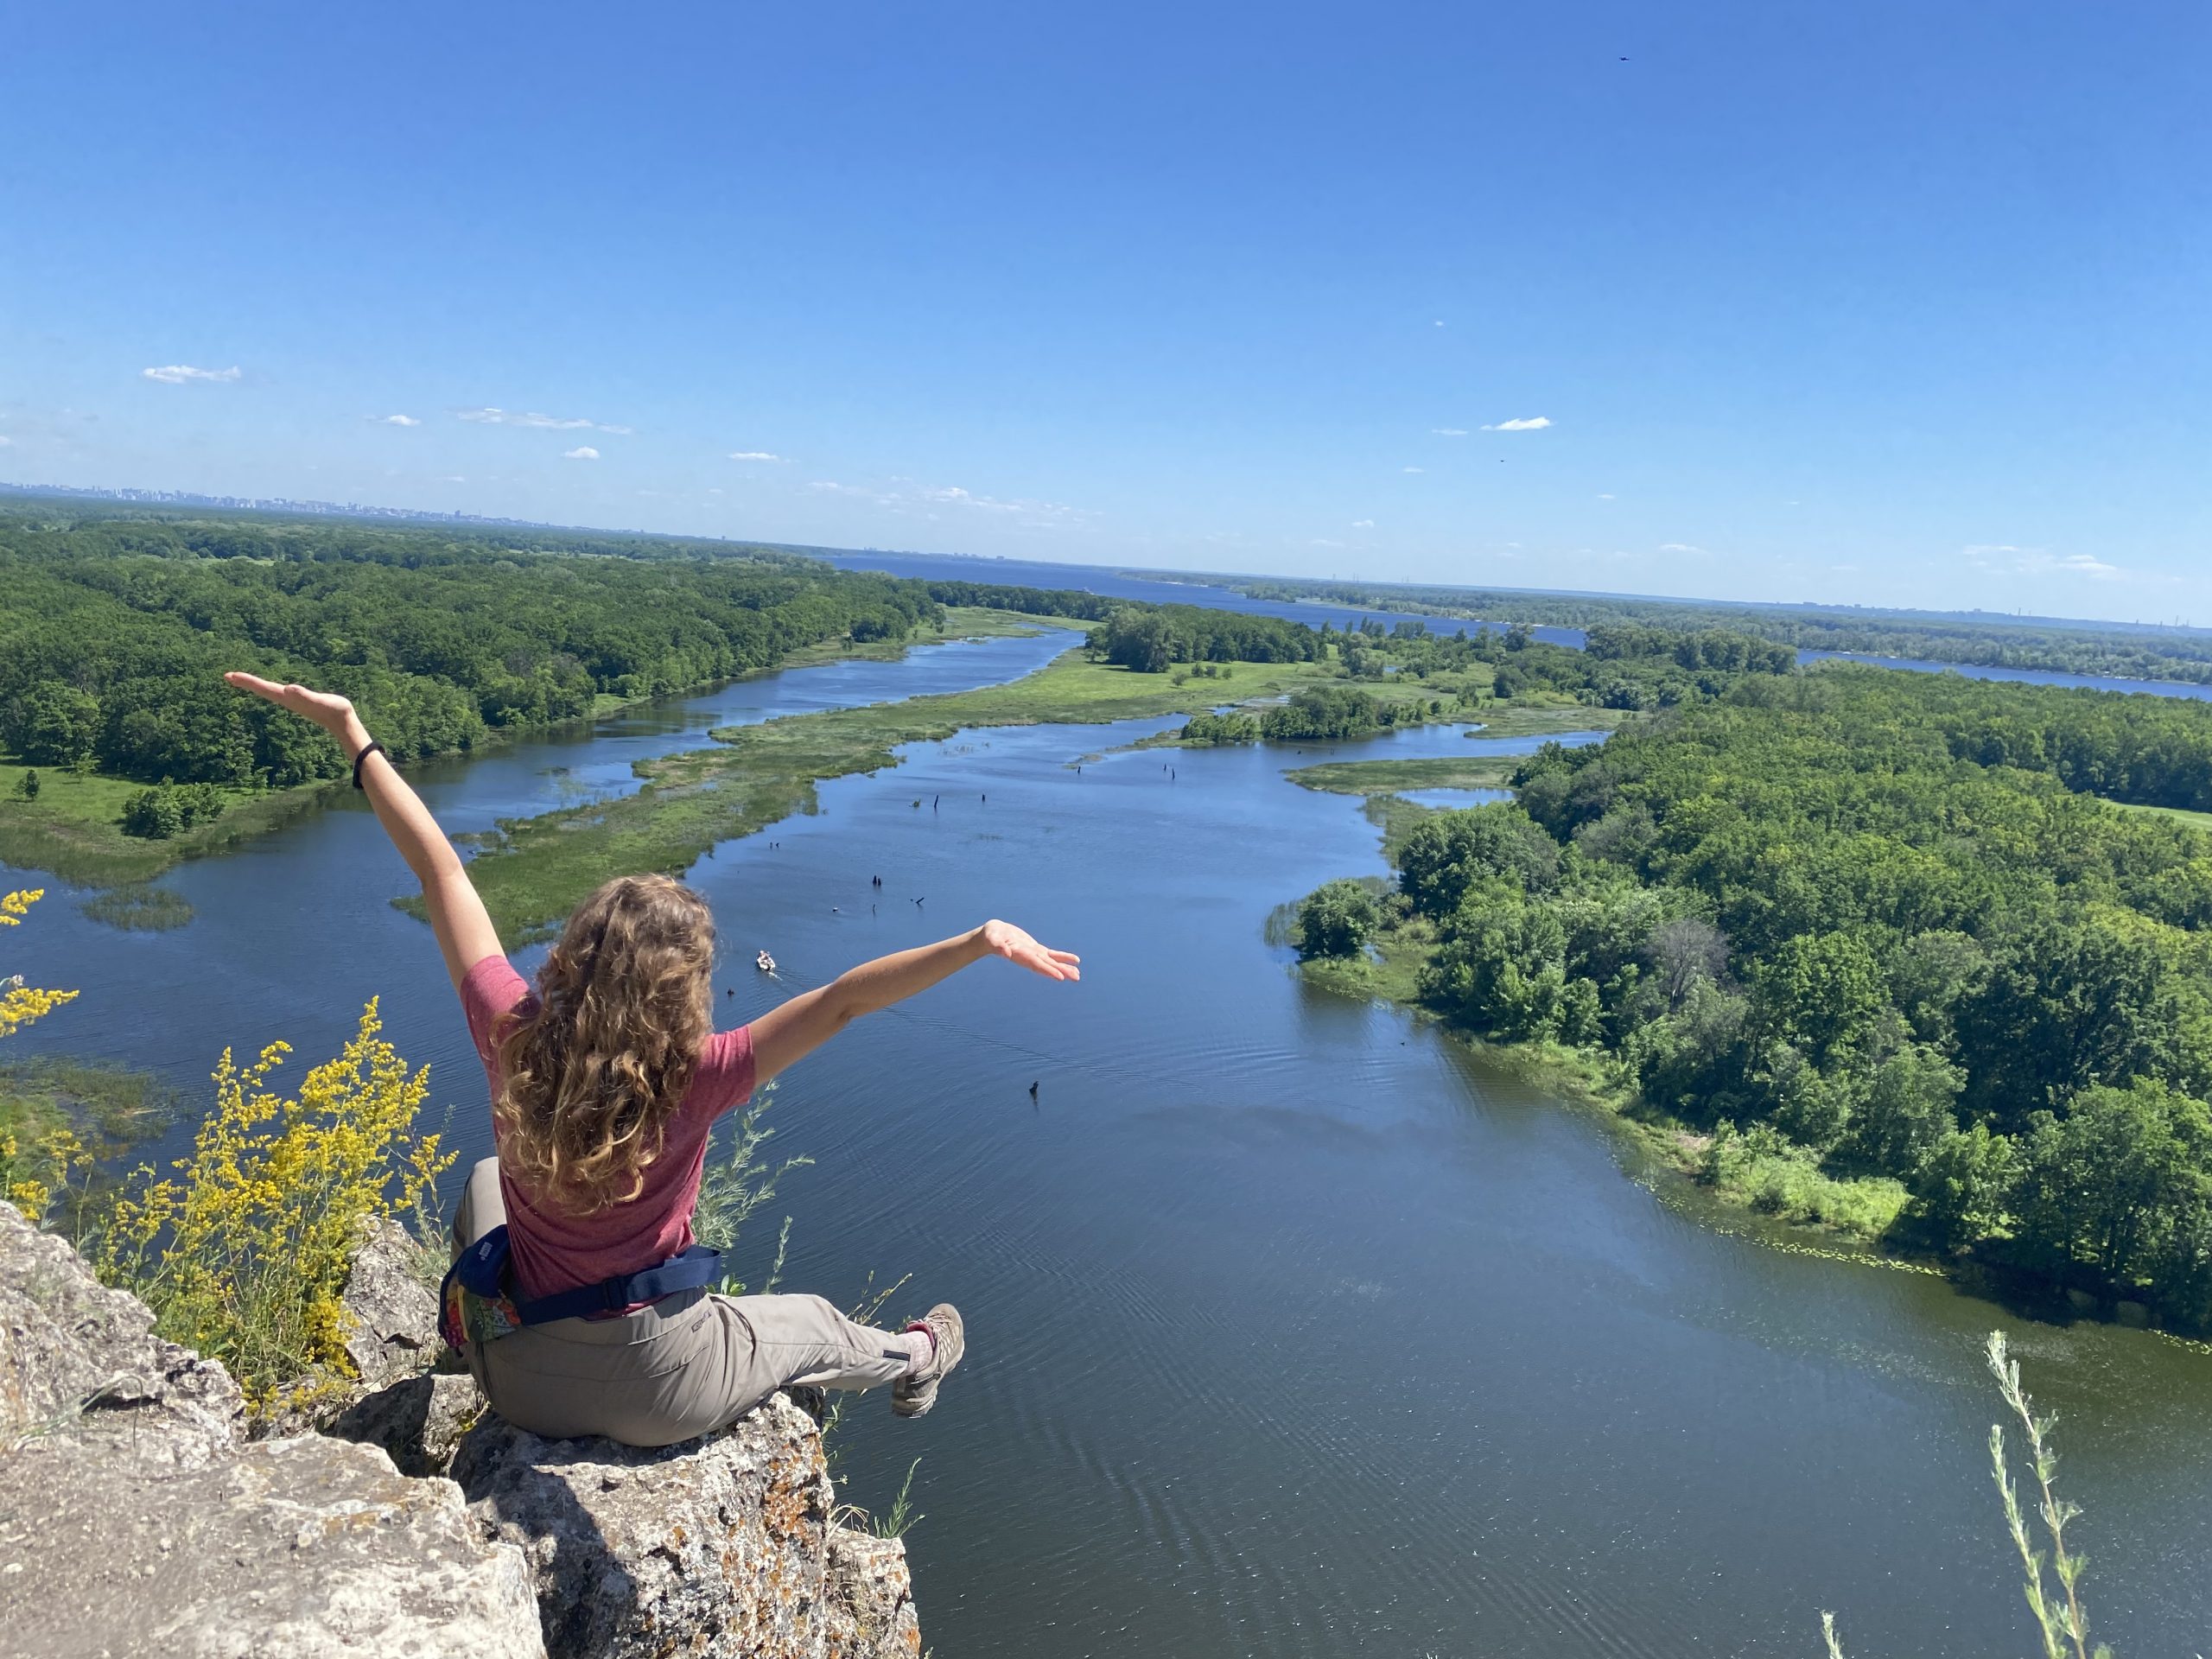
1295	1329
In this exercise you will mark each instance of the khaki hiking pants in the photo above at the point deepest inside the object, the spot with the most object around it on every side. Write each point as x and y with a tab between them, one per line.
687	1365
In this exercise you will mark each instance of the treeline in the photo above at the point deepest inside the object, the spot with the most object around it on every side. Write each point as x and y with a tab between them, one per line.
113	636
1858	924
1152	639
2119	650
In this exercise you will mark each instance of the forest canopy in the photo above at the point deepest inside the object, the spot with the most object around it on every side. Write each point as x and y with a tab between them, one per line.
1876	923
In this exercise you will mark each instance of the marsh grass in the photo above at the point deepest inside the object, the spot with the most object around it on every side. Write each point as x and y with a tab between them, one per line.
752	776
138	908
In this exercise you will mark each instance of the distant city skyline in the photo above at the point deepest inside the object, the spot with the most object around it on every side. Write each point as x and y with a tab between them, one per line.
1892	306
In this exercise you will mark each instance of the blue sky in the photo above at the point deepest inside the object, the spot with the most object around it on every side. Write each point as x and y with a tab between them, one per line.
1894	303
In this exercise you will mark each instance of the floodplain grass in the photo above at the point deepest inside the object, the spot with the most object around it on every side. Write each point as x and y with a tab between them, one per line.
539	868
2179	814
74	830
1545	720
138	908
1389	777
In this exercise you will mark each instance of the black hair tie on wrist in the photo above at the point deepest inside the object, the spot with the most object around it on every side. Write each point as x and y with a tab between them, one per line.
372	747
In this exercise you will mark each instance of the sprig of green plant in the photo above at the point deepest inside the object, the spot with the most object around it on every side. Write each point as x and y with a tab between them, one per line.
2064	1626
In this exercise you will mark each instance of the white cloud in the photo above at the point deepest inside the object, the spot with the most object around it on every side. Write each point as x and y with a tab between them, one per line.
830	487
1439	322
455	478
1448	431
488	417
401	420
1363	523
714	489
755	454
1410	469
1678	547
582	452
1322	541
1530	423
1604	496
178	374
5	439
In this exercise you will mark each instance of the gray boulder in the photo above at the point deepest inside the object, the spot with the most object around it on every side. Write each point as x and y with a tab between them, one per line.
391	1314
419	1420
724	1545
133	1521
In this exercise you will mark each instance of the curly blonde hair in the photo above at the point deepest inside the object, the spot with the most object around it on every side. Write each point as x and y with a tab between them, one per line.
590	1078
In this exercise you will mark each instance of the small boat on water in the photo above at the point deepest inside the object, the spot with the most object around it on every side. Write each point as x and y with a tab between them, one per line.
765	963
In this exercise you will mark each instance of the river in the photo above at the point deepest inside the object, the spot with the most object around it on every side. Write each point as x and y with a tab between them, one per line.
1296	1328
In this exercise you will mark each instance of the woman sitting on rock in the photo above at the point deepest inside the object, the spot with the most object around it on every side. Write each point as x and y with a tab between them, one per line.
606	1081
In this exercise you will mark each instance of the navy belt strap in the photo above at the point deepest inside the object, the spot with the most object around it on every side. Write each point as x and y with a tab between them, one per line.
482	1267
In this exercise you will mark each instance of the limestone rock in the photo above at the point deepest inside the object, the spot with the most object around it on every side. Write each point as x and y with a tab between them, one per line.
392	1314
295	1548
419	1420
722	1545
133	1521
80	1360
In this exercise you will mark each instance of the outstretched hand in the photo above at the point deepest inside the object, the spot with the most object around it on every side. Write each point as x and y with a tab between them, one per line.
326	709
1004	939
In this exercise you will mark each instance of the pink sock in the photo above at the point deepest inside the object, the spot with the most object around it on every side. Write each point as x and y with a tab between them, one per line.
921	1346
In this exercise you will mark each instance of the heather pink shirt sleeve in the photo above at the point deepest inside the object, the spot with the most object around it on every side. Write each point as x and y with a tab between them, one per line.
490	991
724	1077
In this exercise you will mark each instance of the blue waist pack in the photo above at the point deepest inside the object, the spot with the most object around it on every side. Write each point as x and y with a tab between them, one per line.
474	1304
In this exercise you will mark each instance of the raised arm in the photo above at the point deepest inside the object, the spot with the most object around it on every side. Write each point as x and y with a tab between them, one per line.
791	1031
465	932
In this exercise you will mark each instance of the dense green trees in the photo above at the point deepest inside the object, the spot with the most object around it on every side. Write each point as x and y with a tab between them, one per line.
1337	919
1322	712
112	635
1864	914
1152	639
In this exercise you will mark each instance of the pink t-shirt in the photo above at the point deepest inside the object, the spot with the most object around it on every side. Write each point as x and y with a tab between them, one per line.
553	1251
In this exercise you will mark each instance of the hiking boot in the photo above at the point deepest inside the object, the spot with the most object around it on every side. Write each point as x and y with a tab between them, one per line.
911	1396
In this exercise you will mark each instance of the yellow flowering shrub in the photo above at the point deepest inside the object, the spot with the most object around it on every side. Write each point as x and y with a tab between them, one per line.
243	1253
37	1161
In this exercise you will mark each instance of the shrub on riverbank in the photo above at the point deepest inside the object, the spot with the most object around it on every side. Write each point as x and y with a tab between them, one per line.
1337	919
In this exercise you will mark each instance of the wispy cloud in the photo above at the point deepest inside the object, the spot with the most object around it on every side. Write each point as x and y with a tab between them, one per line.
1527	423
183	374
582	452
1680	547
1363	523
1412	469
1605	495
5	441
395	420
1448	431
2003	559
489	416
905	495
755	454
1322	541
